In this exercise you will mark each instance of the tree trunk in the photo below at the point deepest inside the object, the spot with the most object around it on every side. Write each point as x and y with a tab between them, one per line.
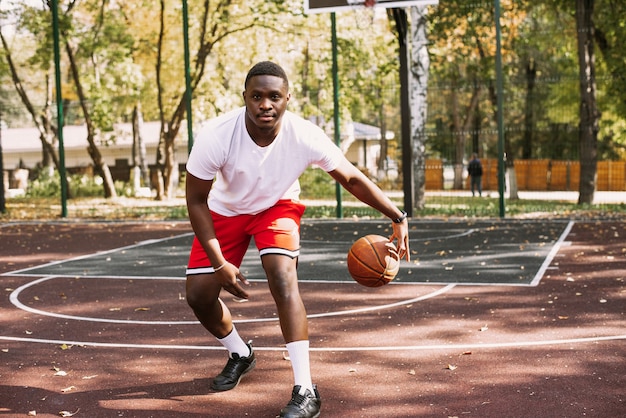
139	147
461	130
418	83
529	111
382	158
41	121
589	113
100	165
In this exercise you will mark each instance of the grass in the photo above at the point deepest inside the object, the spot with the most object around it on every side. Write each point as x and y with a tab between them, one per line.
47	208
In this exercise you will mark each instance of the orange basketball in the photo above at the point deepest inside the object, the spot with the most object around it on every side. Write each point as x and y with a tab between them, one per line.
373	261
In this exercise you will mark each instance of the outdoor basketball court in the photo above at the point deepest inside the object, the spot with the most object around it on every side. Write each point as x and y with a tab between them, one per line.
490	318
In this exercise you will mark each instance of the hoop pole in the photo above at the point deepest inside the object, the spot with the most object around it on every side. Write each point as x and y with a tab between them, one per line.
499	104
59	103
337	133
187	77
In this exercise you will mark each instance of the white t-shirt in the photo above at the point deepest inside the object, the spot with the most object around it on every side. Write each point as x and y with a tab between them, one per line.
249	179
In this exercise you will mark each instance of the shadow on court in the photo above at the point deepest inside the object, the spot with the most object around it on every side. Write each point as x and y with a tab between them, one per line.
540	335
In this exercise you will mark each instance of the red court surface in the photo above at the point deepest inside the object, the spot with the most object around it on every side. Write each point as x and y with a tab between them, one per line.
130	347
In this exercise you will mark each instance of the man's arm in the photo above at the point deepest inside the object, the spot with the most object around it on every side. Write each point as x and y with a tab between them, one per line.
357	183
197	192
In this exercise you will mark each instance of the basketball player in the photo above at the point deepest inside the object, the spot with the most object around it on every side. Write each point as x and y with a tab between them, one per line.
242	182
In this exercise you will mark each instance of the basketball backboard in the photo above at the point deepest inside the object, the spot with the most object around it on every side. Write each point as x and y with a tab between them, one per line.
322	6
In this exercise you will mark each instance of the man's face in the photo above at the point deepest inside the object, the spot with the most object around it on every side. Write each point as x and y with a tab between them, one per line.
266	99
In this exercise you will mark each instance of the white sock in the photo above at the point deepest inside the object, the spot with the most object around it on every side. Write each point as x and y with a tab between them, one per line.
299	355
234	344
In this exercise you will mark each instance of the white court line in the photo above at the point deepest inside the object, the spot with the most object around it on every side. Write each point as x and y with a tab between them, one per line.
23	272
14	299
456	347
437	238
85	256
548	260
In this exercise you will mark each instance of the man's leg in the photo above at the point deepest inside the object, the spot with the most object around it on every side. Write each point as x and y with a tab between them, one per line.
283	281
277	236
202	296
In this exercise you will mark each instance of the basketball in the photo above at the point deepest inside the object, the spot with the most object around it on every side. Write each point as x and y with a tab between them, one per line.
373	261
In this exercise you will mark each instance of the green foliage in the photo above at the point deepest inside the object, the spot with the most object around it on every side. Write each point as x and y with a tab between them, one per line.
79	185
45	185
116	46
316	184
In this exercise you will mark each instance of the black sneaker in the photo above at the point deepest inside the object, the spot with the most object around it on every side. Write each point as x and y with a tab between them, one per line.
302	406
235	369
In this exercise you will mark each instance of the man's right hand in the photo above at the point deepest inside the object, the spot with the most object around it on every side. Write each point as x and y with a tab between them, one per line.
228	276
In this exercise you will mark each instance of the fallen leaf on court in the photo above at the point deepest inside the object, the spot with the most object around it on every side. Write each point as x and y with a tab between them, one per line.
32	413
603	300
467	353
114	309
65	347
563	317
484	328
27	332
352	370
89	377
60	373
141	309
451	367
412	372
68	414
68	389
5	350
286	356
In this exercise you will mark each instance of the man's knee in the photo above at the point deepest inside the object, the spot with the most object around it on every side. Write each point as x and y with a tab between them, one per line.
199	293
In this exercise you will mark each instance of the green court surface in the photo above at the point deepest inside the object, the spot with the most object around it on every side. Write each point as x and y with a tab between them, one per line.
457	252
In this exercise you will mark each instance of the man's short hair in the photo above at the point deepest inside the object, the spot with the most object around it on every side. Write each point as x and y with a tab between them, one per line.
266	68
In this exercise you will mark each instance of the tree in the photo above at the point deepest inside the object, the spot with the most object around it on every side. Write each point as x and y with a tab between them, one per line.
418	83
609	33
463	74
212	24
41	59
589	113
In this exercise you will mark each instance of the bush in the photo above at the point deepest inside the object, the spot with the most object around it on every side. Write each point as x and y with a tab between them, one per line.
80	185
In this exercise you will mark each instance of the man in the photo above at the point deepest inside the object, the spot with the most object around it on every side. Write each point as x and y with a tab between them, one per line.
475	171
247	163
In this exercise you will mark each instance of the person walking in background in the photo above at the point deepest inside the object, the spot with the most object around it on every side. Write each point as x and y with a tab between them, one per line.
475	171
242	182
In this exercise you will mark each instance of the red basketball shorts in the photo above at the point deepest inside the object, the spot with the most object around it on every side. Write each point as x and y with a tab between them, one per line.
275	230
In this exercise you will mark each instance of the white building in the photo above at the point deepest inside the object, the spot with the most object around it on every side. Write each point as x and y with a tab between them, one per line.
21	148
